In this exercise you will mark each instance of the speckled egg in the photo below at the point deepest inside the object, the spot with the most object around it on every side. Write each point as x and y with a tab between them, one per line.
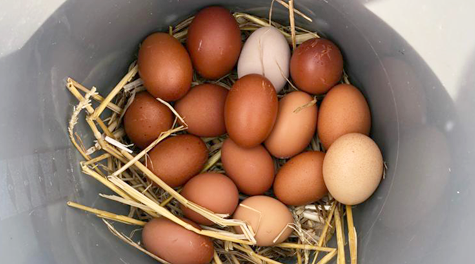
203	110
352	168
145	119
176	159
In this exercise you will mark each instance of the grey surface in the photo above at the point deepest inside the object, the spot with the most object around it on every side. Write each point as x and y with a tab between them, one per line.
423	211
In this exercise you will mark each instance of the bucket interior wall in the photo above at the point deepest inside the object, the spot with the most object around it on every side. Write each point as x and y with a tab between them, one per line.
421	213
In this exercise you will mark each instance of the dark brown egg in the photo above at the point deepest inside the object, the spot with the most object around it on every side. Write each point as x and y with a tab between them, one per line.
343	110
300	180
175	243
251	169
214	42
165	67
176	159
203	110
213	191
250	110
316	65
145	119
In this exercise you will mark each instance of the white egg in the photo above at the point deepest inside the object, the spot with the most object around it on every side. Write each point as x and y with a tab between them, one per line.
266	52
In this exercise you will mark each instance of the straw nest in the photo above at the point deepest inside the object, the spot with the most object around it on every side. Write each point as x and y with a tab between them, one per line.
123	170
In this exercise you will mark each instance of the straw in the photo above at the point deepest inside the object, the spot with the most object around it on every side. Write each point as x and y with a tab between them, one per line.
339	236
351	235
292	23
107	215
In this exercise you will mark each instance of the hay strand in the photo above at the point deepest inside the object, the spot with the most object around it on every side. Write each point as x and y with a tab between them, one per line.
351	235
339	236
107	215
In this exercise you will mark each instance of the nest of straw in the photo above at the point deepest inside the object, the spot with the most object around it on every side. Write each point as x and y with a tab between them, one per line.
123	170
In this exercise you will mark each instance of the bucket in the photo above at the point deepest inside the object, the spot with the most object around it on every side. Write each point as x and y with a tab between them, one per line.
413	62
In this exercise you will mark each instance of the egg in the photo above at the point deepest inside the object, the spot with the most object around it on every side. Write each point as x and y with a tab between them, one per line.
300	180
165	67
251	169
176	159
269	219
145	119
316	65
295	125
352	168
203	110
343	110
214	42
250	110
266	52
176	244
213	191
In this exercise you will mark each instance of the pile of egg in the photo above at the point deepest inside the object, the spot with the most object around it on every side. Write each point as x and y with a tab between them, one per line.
261	129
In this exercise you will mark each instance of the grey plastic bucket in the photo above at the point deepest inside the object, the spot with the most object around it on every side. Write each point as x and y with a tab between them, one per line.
414	61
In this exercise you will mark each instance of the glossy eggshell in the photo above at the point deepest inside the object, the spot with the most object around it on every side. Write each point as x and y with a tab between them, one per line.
266	52
250	110
352	168
293	130
343	110
268	218
203	110
214	42
213	191
175	243
316	65
176	159
165	67
300	180
251	169
145	119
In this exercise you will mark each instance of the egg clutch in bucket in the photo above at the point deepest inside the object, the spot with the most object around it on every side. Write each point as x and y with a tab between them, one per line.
216	139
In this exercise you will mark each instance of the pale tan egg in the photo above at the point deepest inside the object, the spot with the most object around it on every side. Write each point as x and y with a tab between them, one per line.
269	218
352	168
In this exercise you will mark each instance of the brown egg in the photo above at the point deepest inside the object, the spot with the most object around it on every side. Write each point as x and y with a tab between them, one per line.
203	110
251	169
175	243
269	219
352	168
213	191
294	128
176	159
343	110
145	119
300	180
165	67
250	110
316	65
214	42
